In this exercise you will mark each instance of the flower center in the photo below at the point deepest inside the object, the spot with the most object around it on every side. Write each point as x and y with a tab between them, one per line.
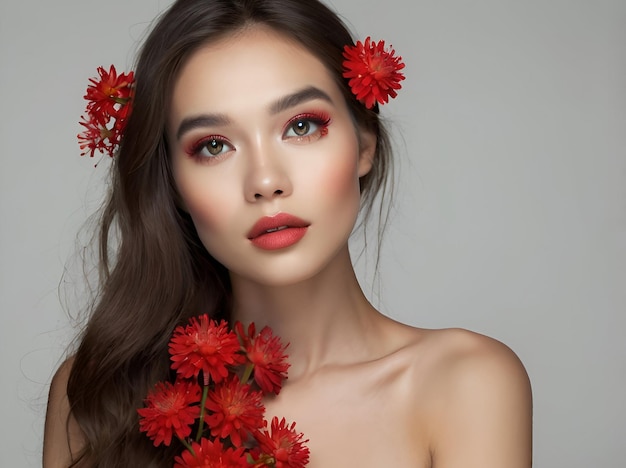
208	349
281	454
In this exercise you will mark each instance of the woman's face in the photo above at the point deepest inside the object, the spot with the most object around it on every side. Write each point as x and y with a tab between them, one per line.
266	157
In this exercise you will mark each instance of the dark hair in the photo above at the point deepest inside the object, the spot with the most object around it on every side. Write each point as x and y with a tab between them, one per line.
155	272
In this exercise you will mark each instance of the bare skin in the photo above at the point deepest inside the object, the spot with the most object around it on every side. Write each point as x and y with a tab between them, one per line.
366	391
62	435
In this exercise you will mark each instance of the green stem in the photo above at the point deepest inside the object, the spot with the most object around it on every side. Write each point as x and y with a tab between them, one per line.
247	373
187	446
119	100
205	392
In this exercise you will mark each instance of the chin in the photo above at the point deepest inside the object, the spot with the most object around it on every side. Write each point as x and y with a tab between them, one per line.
286	270
276	277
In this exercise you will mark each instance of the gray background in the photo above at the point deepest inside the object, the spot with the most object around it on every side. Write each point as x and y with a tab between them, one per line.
511	211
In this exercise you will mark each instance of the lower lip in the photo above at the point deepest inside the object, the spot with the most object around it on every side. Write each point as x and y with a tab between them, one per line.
279	239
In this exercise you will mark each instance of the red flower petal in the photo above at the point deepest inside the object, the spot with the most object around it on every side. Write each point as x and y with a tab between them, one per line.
282	445
170	410
374	72
211	454
204	345
235	411
266	352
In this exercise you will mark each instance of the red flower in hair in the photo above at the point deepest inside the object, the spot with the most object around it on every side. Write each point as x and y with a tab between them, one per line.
204	345
266	352
281	446
109	90
96	137
235	410
374	72
210	454
107	111
171	409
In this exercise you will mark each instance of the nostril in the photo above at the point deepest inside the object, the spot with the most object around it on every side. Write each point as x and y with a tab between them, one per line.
277	193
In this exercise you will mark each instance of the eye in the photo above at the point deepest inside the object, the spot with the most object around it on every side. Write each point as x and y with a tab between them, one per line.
210	147
306	126
301	127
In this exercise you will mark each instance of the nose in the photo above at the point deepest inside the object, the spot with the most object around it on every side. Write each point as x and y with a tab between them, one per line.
266	178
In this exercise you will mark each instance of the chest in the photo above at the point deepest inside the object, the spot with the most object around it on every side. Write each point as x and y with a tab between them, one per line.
356	420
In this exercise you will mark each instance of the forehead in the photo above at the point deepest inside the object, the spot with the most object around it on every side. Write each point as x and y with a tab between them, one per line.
251	68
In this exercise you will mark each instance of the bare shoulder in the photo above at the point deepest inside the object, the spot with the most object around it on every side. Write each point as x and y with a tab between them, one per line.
461	354
476	400
62	435
448	353
467	367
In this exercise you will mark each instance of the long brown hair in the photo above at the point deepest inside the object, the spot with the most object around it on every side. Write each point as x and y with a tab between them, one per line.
155	273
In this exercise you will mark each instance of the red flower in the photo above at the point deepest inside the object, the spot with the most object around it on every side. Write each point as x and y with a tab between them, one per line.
107	111
204	345
104	94
235	410
170	409
266	352
373	72
281	446
94	138
210	454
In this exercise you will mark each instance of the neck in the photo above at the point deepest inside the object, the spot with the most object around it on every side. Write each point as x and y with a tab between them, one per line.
326	319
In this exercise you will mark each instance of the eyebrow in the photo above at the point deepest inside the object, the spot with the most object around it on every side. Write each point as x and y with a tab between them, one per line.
286	102
292	100
199	121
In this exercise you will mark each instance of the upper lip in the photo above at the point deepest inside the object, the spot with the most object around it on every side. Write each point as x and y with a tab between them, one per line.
279	220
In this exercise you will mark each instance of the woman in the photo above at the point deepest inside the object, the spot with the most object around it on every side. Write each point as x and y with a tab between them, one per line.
238	182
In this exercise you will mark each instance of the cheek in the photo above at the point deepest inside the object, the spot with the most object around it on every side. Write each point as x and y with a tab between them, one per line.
207	202
340	184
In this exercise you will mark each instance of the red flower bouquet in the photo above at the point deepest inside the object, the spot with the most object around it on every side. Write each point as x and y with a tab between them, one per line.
222	376
107	111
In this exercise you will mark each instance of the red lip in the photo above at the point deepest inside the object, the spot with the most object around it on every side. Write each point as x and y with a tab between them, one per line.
278	231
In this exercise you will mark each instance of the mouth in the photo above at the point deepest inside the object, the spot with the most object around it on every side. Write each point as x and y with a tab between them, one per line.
280	228
278	231
278	222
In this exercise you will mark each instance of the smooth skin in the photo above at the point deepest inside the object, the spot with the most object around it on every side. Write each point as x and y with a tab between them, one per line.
366	391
